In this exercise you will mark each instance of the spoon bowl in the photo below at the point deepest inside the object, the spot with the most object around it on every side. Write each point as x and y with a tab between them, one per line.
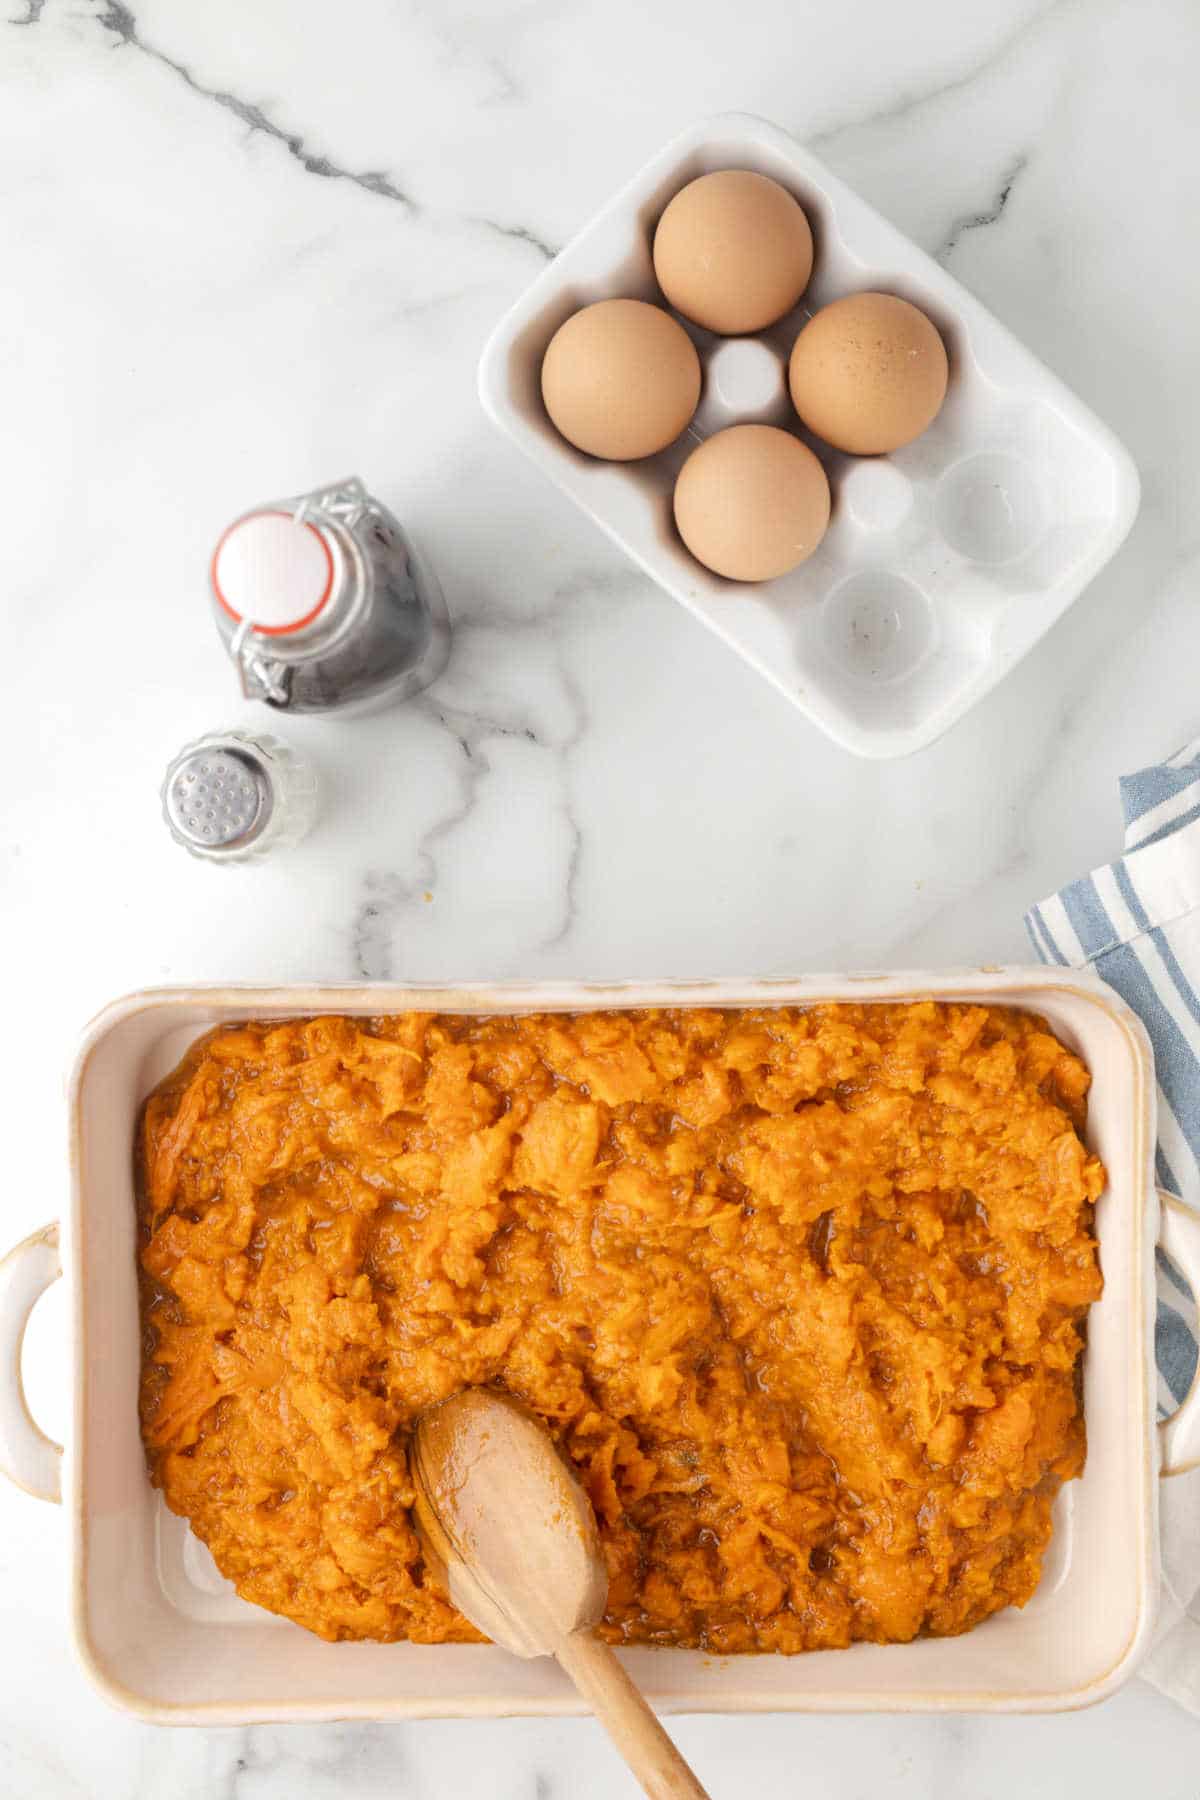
505	1522
511	1535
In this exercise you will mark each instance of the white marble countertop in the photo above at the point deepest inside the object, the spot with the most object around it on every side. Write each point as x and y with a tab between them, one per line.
249	248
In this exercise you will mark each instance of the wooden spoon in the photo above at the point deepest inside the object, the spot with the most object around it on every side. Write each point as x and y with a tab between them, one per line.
506	1525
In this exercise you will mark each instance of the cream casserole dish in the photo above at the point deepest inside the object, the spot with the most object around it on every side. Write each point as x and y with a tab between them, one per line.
162	1635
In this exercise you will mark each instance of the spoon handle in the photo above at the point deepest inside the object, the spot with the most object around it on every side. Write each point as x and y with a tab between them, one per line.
627	1718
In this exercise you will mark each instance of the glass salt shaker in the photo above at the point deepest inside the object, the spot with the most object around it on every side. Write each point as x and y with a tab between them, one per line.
233	797
324	603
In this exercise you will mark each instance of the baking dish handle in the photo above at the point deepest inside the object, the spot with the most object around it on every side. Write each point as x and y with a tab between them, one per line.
27	1455
1179	1237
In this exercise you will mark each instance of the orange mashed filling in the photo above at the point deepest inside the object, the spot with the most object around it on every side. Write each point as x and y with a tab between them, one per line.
800	1293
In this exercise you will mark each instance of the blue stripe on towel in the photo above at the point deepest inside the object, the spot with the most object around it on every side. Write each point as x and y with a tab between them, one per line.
1149	788
1174	1351
1169	1272
1092	925
1040	938
1164	831
1162	1170
1129	895
1159	939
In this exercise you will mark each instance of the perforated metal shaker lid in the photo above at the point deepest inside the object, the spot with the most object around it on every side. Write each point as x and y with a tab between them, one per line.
218	797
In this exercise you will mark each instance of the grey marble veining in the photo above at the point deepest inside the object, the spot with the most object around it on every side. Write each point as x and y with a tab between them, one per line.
253	248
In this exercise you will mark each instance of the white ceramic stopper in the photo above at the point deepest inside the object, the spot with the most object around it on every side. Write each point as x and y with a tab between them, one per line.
273	570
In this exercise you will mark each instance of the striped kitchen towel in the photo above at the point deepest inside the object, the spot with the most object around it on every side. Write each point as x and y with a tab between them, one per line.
1137	923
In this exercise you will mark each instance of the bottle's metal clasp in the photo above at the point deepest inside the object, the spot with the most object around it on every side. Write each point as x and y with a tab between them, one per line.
347	501
263	677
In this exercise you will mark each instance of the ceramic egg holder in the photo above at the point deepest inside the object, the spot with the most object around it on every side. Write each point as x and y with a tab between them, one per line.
944	562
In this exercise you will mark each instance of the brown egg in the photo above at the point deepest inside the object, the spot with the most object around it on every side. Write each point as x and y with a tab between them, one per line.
621	379
868	373
733	251
752	502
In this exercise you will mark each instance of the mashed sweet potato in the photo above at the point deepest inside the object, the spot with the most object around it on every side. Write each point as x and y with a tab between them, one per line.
800	1293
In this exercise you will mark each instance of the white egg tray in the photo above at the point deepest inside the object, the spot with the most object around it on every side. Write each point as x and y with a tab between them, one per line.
944	563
